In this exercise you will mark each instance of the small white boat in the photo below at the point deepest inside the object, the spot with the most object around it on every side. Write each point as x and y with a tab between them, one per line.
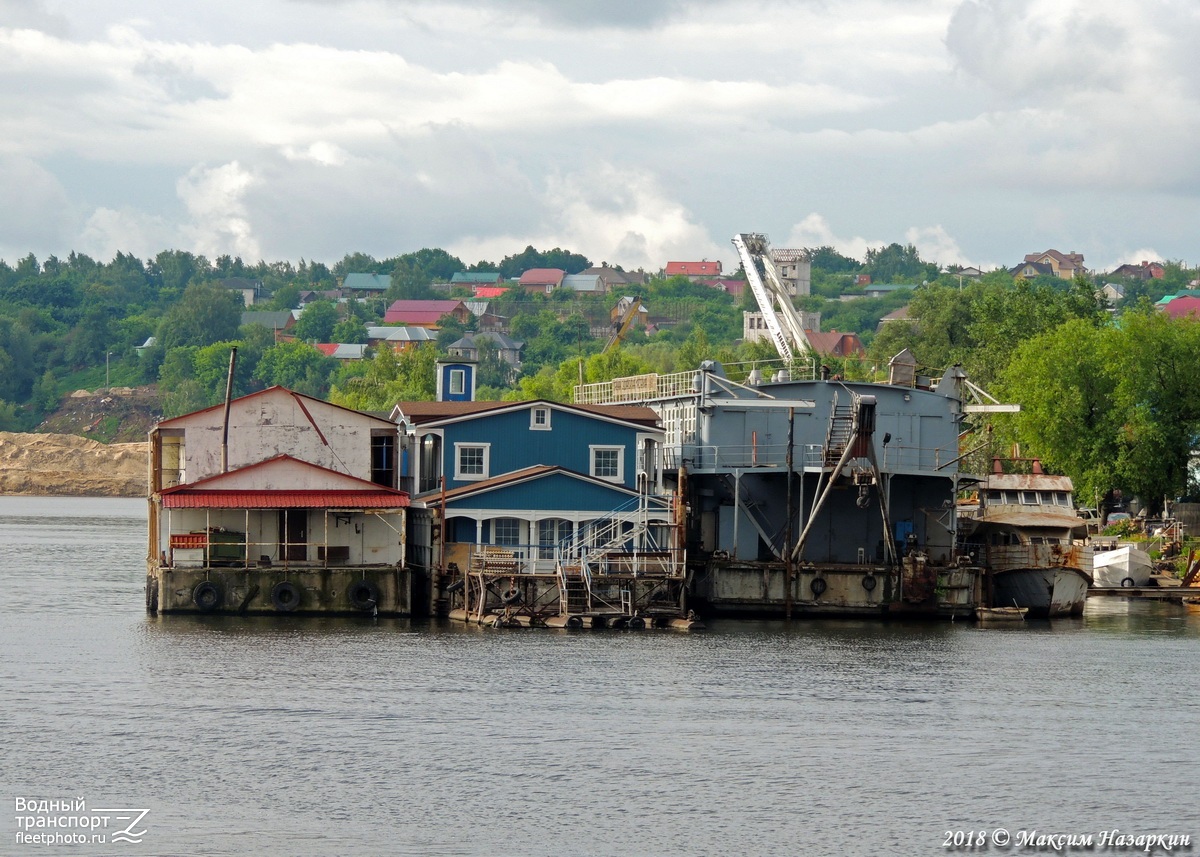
1124	566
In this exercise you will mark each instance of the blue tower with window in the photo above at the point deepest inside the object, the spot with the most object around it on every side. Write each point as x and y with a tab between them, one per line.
456	380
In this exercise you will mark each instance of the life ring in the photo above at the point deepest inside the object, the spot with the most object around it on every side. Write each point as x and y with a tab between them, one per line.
285	596
818	586
512	596
363	595
1127	582
208	595
869	582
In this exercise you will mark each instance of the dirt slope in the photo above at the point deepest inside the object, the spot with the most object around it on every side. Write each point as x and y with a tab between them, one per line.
70	465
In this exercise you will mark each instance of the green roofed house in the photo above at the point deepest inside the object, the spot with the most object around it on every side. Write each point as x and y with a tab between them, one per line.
363	284
476	278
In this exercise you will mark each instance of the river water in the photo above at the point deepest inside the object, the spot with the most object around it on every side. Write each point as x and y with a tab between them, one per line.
292	736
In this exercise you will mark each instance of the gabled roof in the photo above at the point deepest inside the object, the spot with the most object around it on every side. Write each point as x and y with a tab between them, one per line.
342	350
400	334
476	277
270	319
499	339
273	391
424	413
703	268
542	277
1183	307
835	344
1032	269
490	291
228	491
420	312
583	282
367	282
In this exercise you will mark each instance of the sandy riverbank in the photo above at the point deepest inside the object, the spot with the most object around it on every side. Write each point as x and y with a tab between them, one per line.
63	464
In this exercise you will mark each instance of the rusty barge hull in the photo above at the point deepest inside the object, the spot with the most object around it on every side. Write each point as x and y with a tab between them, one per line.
763	589
1047	592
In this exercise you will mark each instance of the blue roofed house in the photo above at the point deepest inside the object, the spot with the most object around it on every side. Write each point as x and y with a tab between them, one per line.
538	479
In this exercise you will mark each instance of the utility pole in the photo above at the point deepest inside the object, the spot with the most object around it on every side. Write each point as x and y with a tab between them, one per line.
107	354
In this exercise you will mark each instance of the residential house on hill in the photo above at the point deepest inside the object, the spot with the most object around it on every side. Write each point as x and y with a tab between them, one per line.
1144	271
366	285
795	270
279	321
477	278
508	350
1064	265
754	328
251	290
425	313
342	350
730	285
693	270
614	280
834	344
1111	293
489	292
541	280
1028	270
1183	307
584	284
400	338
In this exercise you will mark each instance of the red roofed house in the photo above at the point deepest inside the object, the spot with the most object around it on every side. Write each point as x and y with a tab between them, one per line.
693	270
729	286
542	280
1185	307
490	291
284	504
1144	271
426	314
834	344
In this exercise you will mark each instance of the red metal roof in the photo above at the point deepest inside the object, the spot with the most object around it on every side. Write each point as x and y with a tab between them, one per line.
285	499
490	291
694	269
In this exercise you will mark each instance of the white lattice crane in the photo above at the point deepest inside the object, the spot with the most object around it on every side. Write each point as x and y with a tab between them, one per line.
782	321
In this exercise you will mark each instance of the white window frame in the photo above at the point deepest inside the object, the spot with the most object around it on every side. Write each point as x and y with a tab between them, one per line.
594	449
458	382
459	449
534	425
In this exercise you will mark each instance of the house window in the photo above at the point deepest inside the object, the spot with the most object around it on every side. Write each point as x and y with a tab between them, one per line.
539	419
506	531
383	459
471	460
458	381
608	462
1029	498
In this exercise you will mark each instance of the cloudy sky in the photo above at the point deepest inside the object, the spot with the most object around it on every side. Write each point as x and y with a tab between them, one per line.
633	131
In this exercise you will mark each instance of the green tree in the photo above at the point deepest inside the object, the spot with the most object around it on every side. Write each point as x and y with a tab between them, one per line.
205	314
390	377
297	366
316	322
350	330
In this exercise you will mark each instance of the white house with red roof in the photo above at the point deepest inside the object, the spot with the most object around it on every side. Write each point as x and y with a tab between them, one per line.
279	502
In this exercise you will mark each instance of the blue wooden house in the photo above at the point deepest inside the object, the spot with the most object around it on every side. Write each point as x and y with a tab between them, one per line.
539	479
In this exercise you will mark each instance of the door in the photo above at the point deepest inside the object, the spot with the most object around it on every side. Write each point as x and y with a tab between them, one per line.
293	529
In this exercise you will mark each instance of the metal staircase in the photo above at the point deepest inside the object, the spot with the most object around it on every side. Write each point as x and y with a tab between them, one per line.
840	432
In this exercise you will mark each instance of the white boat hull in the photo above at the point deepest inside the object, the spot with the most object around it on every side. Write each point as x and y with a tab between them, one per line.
1125	566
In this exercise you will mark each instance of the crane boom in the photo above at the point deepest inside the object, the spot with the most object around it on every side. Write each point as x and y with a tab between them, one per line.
624	324
783	323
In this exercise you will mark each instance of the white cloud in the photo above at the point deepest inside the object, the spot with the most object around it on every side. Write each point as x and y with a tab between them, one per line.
933	243
610	215
214	199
